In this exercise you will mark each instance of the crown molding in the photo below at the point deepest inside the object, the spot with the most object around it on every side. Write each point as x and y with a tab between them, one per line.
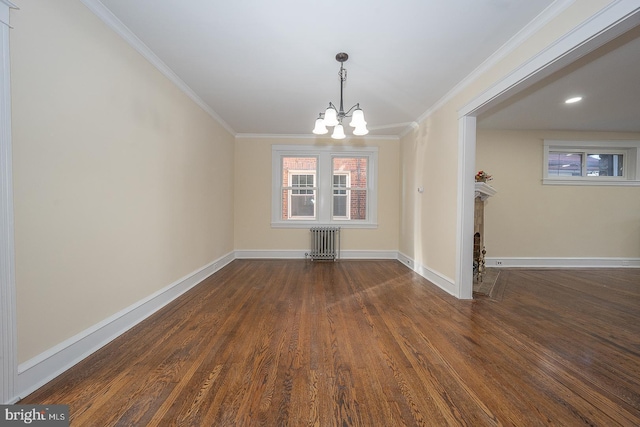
543	18
123	31
608	23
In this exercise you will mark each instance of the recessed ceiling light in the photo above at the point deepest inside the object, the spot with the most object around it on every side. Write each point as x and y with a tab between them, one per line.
572	100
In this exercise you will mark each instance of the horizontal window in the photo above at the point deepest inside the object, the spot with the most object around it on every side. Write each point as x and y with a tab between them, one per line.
591	162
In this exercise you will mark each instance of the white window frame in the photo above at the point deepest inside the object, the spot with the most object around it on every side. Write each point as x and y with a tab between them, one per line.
290	193
630	150
347	195
324	184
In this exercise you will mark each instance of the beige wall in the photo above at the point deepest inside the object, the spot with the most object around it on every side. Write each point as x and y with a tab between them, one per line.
253	199
528	219
429	155
428	225
122	185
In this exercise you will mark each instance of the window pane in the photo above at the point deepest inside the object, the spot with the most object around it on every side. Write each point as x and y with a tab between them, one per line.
340	206
302	206
355	168
358	204
298	187
604	165
298	204
299	165
350	173
341	195
565	164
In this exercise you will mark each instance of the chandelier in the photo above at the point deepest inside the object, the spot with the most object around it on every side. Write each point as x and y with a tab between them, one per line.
333	117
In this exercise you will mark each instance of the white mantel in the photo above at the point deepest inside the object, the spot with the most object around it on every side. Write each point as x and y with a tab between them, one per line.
484	191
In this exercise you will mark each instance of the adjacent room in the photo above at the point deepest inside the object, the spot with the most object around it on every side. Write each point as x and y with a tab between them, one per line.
349	213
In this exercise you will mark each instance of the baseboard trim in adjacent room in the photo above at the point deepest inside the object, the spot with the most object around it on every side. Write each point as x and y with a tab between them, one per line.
576	262
443	282
36	372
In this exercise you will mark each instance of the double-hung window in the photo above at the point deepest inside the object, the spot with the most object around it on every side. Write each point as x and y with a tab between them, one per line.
299	187
324	186
591	162
341	195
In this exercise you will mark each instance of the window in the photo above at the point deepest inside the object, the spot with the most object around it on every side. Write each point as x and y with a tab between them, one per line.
586	163
323	185
302	196
341	196
299	188
591	162
350	187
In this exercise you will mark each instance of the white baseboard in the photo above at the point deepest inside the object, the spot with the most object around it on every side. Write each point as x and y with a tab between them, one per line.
36	372
443	282
300	254
562	262
269	254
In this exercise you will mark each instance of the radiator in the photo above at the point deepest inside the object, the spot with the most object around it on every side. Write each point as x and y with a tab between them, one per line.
325	243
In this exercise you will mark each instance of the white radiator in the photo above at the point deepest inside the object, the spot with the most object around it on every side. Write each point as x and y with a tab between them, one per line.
325	243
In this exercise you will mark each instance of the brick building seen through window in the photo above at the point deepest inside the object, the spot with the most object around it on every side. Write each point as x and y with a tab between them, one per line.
300	188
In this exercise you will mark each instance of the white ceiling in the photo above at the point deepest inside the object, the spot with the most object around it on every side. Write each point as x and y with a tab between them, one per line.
268	67
607	79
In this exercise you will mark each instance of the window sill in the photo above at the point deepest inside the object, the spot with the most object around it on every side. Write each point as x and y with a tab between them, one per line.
309	224
592	182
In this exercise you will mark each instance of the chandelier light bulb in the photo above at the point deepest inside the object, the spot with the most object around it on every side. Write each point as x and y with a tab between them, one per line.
338	132
330	117
357	120
360	131
320	128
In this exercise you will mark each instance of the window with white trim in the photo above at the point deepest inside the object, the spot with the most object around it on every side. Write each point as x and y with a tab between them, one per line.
591	162
341	195
324	186
302	195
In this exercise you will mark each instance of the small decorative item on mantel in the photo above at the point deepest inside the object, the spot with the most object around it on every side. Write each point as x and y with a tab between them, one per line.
482	176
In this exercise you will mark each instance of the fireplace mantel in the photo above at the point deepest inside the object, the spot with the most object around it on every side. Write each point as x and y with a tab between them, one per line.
484	190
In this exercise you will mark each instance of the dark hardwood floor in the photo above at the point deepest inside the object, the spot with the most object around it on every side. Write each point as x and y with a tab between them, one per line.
370	343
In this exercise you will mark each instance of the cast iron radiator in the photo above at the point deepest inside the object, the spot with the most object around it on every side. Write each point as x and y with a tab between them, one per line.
325	243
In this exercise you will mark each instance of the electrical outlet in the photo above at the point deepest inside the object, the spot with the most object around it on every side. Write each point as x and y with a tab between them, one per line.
498	262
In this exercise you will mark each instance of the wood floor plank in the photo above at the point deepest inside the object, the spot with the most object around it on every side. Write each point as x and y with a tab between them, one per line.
370	343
